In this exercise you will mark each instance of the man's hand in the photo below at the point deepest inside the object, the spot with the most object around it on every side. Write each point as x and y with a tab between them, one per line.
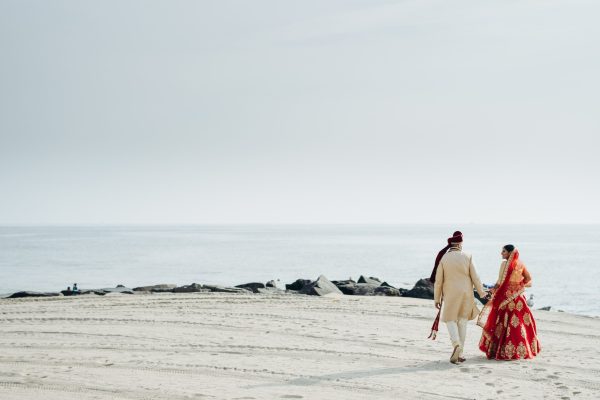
438	305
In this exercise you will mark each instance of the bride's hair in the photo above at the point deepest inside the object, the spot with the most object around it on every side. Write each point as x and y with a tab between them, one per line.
509	247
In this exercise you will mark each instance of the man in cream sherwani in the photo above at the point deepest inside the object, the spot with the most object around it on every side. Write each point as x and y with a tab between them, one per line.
454	282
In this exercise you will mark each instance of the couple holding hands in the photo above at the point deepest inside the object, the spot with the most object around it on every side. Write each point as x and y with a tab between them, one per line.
509	330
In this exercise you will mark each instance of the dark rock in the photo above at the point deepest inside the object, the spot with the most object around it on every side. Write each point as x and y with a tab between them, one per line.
28	293
365	289
98	292
298	285
69	292
104	291
224	289
120	286
351	288
193	288
387	291
547	308
252	286
423	289
346	282
321	287
388	285
372	280
271	283
346	287
156	288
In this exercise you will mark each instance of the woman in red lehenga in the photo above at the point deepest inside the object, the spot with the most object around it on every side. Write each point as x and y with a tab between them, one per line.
509	331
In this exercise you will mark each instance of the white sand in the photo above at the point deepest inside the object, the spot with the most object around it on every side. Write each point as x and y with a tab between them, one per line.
227	346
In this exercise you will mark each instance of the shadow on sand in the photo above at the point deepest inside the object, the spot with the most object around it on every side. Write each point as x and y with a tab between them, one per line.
429	366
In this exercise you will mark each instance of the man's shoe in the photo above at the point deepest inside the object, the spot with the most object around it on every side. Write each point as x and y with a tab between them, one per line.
455	354
461	359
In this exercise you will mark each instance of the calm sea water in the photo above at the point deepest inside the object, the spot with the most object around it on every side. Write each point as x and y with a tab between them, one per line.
563	259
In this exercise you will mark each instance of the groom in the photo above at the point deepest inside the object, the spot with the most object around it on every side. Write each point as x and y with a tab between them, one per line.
454	281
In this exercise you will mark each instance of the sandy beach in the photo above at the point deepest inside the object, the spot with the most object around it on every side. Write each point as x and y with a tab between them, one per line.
272	346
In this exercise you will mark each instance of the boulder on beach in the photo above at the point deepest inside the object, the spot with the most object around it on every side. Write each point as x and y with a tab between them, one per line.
163	287
321	287
423	289
344	282
388	285
387	291
370	280
98	292
271	283
346	287
225	289
192	288
547	308
252	286
298	285
364	289
370	288
104	291
27	293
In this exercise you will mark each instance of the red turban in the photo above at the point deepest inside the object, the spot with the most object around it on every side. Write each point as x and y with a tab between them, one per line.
457	237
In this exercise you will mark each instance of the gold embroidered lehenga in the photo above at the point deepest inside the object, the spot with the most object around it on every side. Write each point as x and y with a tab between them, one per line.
509	330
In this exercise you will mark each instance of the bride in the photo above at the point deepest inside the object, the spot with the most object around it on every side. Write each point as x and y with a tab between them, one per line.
509	330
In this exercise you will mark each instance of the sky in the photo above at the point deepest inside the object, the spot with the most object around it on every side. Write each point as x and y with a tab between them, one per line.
311	111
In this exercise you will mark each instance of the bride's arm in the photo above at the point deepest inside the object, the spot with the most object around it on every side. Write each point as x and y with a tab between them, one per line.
526	277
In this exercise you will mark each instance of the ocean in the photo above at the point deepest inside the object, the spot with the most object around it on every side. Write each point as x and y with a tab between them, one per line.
562	259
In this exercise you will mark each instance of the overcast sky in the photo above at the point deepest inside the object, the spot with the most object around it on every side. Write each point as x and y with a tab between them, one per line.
305	111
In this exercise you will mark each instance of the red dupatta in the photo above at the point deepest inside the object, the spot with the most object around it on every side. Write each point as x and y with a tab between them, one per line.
505	293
